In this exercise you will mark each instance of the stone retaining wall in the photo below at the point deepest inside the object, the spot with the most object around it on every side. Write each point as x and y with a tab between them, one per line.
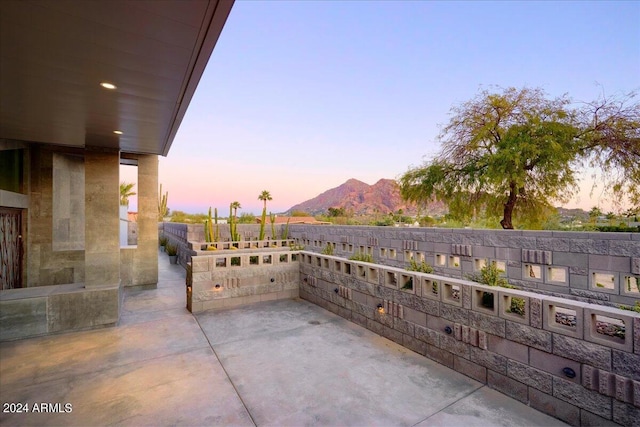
592	267
576	361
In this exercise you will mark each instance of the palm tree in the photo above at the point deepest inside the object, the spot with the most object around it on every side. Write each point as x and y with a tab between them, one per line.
125	192
264	196
235	206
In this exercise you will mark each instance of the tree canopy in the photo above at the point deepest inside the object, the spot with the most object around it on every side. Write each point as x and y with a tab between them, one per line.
513	153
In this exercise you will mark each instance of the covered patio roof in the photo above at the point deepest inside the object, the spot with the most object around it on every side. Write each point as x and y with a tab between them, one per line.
54	56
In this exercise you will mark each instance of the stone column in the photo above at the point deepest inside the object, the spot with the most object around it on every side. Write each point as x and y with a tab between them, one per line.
145	268
102	222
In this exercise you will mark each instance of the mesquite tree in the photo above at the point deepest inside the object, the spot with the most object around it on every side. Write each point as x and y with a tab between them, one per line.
517	151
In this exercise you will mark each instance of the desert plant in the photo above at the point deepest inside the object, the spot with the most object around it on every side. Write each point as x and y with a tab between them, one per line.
360	256
211	234
408	284
162	204
491	275
171	250
328	250
423	267
233	227
272	219
285	230
163	240
517	306
635	307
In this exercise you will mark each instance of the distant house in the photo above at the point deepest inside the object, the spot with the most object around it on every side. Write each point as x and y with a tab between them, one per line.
292	220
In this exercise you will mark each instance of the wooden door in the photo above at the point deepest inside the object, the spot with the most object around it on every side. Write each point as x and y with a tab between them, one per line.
10	248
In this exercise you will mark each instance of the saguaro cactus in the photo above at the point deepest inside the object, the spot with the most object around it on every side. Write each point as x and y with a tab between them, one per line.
216	233
233	226
272	218
162	204
208	228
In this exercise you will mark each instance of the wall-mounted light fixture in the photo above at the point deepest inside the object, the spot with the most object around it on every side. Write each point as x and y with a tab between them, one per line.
108	85
217	286
569	373
448	330
380	308
336	290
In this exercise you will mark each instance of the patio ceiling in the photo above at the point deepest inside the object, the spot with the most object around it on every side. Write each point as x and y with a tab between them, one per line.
55	54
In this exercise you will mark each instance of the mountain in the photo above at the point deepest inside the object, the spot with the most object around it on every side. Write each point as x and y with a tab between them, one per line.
359	198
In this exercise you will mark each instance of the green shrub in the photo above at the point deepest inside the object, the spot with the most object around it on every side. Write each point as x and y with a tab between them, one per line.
491	275
423	267
328	250
517	306
171	250
635	308
618	228
359	256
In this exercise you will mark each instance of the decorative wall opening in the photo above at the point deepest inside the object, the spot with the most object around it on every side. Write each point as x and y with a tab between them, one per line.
603	281
609	327
452	294
631	285
532	272
430	288
454	262
479	264
557	275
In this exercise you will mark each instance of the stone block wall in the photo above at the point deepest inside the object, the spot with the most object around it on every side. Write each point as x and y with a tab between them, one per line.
230	278
576	361
592	267
190	238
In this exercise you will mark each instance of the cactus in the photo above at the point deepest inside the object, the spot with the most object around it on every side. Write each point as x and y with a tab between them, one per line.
262	221
272	218
162	204
208	228
211	230
216	233
233	227
285	230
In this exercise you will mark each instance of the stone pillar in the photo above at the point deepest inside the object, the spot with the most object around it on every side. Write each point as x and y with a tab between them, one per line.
145	268
102	222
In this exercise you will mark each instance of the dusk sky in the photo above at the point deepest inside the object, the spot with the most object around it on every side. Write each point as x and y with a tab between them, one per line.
300	96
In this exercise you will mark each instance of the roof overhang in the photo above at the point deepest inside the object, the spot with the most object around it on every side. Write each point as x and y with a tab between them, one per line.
55	54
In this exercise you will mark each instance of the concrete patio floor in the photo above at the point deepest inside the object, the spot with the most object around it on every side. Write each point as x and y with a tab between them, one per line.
281	363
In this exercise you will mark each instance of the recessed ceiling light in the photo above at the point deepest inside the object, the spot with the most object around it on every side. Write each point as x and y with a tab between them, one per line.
107	85
117	132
